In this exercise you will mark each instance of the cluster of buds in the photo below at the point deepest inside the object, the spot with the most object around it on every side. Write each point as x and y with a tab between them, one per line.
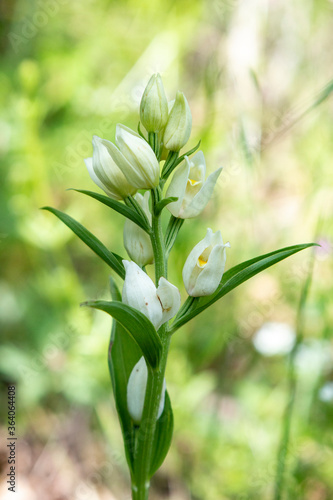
132	163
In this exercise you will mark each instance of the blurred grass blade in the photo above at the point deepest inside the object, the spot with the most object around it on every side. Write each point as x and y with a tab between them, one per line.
123	355
122	209
163	436
235	277
292	386
113	260
136	324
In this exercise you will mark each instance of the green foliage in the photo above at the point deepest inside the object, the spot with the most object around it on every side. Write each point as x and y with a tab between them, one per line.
136	324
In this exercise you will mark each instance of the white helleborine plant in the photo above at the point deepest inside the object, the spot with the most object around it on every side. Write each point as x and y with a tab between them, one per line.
157	304
136	391
105	172
136	240
135	158
138	350
204	266
189	185
178	129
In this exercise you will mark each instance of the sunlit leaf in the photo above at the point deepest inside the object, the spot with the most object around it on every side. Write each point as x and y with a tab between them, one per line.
233	278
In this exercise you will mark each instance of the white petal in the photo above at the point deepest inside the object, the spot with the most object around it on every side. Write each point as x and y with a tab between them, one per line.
210	276
169	296
136	390
201	199
140	292
177	187
97	181
140	155
125	166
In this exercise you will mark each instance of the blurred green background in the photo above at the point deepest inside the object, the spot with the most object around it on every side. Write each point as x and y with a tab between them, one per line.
258	78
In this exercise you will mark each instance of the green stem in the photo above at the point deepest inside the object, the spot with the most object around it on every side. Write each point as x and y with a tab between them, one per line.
146	431
292	386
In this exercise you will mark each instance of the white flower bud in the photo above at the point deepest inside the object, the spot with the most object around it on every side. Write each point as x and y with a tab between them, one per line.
136	240
189	185
204	266
136	391
135	158
106	173
157	304
154	105
179	125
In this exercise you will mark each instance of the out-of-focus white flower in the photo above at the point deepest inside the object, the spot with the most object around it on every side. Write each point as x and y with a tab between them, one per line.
274	338
106	173
179	125
189	185
157	304
326	392
136	240
204	266
135	158
136	391
154	105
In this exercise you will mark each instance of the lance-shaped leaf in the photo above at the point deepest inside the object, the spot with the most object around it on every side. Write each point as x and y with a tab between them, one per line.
162	436
123	355
119	207
112	259
233	278
136	324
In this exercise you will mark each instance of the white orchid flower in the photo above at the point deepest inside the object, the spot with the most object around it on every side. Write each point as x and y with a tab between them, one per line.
135	158
157	304
154	105
136	240
136	391
189	185
178	128
205	264
106	173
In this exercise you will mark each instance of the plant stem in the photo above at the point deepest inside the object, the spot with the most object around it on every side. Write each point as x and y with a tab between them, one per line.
146	431
292	385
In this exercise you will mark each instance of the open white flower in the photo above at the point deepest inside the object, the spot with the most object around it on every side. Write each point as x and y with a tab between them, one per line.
157	304
189	185
204	266
136	240
135	158
106	173
136	391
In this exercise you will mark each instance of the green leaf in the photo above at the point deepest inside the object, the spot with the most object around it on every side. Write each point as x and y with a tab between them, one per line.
163	203
122	209
136	324
123	355
188	153
112	259
162	436
235	277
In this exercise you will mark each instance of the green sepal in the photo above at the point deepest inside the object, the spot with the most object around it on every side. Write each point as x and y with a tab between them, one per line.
163	203
233	278
119	207
136	324
123	355
162	436
112	259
